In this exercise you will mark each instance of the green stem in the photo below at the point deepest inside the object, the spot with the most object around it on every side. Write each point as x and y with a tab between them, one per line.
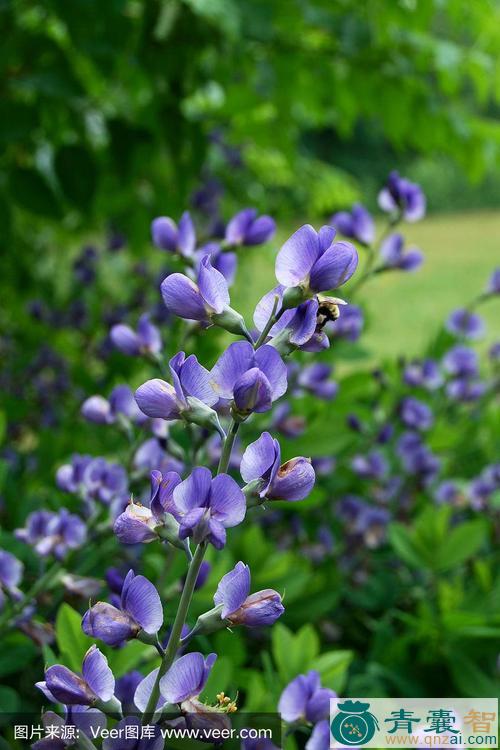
272	320
228	447
175	635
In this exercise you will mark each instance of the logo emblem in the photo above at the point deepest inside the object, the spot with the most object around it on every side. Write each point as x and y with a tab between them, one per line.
353	724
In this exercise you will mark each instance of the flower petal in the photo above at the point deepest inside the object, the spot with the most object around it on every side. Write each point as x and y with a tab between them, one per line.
182	297
259	457
269	361
187	677
157	398
193	492
297	256
230	366
294	480
143	602
213	286
334	267
227	501
97	674
233	589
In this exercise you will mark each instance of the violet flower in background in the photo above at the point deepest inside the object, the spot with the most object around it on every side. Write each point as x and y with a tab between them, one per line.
461	361
96	682
494	352
69	477
415	414
121	404
205	507
319	738
105	483
250	380
493	286
349	324
246	228
145	341
290	481
447	492
372	465
423	374
11	572
394	255
465	323
465	390
305	699
290	425
167	235
417	458
357	224
314	262
315	379
402	197
140	609
140	524
239	607
53	533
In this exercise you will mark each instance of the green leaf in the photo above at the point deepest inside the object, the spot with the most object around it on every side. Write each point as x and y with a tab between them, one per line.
294	653
333	667
15	654
77	174
71	640
404	545
461	543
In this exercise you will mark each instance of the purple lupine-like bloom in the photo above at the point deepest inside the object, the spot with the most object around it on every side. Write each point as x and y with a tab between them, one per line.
423	374
205	507
182	684
191	388
11	572
121	404
146	340
181	239
222	260
365	521
290	481
415	414
356	224
290	425
313	261
250	379
400	196
479	492
465	390
320	736
371	466
416	457
246	228
105	482
305	699
53	533
315	379
394	255
140	524
239	607
447	492
461	361
494	282
463	322
69	477
96	682
152	455
140	609
350	323
301	327
206	301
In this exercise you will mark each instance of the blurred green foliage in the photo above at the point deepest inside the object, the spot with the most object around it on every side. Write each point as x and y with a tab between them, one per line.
111	111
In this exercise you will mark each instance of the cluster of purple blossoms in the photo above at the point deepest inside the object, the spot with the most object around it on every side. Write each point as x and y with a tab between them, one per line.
53	533
146	341
400	197
462	365
464	323
94	480
304	700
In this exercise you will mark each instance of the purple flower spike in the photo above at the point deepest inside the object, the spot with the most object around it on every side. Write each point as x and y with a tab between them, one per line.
465	323
53	533
259	609
146	340
315	379
251	379
159	399
205	507
246	228
400	196
494	283
291	481
423	374
181	239
356	224
415	414
461	361
96	683
140	609
393	254
304	698
187	677
313	261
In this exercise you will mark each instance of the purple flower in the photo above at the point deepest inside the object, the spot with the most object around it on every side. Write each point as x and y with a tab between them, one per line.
96	682
205	507
53	533
152	455
301	327
304	699
121	405
290	425
320	736
465	390
125	688
239	607
222	260
290	481
11	572
105	482
400	196
146	340
313	261
371	466
494	352
315	379
140	609
191	389
69	477
350	323
480	491
357	224
246	228
181	239
465	323
447	493
417	458
252	380
206	301
415	414
140	524
494	282
423	374
365	521
182	684
393	254
461	361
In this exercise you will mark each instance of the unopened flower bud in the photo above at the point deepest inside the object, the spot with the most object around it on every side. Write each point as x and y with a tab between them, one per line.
230	320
